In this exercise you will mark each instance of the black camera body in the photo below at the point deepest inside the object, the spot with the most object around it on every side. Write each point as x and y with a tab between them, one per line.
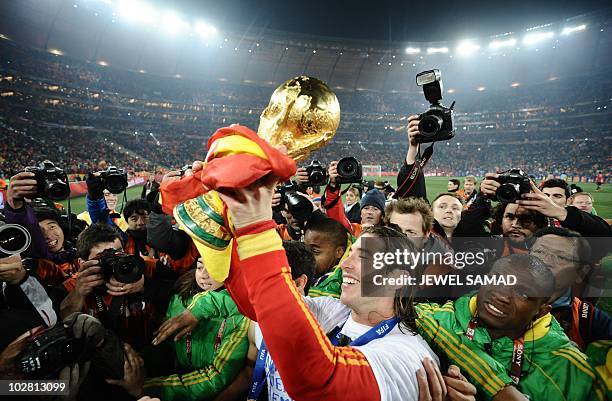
51	181
317	174
14	239
50	351
349	170
114	179
300	207
437	123
123	267
514	183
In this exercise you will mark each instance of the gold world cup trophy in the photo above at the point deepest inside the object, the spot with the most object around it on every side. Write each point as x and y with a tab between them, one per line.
303	115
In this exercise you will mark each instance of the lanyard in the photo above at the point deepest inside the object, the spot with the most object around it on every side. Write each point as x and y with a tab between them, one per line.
378	331
517	351
259	373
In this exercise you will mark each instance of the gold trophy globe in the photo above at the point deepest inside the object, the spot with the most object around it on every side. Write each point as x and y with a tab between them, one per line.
303	115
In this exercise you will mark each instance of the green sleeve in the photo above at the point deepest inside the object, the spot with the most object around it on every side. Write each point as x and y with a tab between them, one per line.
211	304
208	381
330	287
436	325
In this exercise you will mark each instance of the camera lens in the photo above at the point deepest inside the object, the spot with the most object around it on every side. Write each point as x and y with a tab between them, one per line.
430	125
115	184
58	190
508	193
317	177
347	168
13	239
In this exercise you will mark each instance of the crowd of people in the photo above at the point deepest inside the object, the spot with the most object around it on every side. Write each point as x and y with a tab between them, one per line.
282	285
139	120
154	316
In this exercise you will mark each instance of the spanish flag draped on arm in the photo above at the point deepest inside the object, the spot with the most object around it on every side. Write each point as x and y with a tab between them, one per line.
236	158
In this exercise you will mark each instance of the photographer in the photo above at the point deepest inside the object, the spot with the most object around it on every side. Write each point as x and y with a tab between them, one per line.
411	182
77	350
372	204
568	217
150	186
131	309
101	203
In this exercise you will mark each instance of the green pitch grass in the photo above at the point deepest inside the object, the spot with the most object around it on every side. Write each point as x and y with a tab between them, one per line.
435	185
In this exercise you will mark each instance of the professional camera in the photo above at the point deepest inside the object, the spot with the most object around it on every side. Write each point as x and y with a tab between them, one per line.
52	350
123	267
14	239
48	352
114	179
300	207
514	183
349	171
317	174
51	181
436	124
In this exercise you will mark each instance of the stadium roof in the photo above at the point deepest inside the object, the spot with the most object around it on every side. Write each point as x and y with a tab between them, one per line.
236	42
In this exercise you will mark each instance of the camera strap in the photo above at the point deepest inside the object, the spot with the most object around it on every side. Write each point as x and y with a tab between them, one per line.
414	171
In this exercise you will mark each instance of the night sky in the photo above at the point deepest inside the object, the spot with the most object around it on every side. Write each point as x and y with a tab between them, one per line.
386	20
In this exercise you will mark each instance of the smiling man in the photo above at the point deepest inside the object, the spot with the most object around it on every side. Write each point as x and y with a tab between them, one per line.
519	347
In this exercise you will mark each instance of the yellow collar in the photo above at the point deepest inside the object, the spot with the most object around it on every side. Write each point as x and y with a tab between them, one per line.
538	330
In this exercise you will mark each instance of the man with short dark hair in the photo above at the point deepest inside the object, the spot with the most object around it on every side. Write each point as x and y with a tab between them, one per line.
453	185
568	255
132	310
557	190
503	322
329	242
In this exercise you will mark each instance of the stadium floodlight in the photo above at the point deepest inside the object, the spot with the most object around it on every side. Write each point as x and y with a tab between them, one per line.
497	44
481	88
172	23
466	48
413	50
569	30
434	50
537	37
205	30
136	11
57	52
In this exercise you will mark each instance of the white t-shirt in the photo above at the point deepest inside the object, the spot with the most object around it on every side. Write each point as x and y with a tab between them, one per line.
394	358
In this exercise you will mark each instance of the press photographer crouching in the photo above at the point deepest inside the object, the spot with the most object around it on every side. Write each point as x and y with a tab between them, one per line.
74	350
127	293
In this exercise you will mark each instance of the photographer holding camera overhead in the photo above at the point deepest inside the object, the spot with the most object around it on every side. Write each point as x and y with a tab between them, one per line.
103	188
434	125
51	243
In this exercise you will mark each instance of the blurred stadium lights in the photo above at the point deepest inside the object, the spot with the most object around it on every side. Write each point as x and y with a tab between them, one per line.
515	84
481	88
466	48
569	30
173	24
536	37
102	63
137	11
205	30
434	50
496	44
413	50
57	52
451	91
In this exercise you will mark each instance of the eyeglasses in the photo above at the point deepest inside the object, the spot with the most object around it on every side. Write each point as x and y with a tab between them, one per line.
554	258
